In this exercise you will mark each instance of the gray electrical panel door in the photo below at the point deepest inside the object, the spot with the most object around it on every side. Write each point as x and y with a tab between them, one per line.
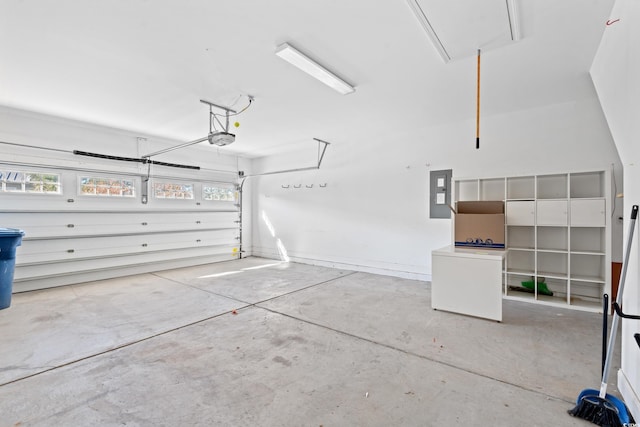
440	194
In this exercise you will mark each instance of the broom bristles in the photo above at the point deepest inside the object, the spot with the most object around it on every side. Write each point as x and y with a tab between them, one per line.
597	410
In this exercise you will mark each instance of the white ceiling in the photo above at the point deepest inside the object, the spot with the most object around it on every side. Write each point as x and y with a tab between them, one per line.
143	65
487	25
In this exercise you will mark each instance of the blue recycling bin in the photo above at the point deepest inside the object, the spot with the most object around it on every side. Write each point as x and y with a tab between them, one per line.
10	239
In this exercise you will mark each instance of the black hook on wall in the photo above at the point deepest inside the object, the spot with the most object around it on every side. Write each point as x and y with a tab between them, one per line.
618	310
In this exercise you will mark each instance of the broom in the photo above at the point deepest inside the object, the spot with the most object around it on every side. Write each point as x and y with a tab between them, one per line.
596	405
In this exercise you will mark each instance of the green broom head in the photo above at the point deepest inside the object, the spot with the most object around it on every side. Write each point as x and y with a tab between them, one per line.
606	412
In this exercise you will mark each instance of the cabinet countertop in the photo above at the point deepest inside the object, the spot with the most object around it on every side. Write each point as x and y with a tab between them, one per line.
470	252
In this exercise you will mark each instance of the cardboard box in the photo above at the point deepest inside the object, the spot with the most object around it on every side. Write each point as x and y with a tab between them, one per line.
479	224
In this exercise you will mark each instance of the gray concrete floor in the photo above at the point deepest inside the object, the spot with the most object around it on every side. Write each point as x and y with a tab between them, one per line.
263	343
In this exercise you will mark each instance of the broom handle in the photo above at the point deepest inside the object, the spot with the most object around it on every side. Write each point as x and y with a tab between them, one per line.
605	319
478	105
616	318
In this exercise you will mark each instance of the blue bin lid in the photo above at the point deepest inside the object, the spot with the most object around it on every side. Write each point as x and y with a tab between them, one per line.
10	232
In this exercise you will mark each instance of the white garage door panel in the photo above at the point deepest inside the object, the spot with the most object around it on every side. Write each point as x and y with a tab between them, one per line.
59	224
141	266
25	273
35	251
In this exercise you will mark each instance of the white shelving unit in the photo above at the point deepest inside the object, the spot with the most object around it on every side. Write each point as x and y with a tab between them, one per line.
556	230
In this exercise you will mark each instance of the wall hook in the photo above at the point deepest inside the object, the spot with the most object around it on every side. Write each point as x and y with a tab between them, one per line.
285	186
323	185
297	186
309	186
618	310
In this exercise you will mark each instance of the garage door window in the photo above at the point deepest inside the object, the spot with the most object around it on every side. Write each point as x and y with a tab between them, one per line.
218	193
172	190
106	187
30	182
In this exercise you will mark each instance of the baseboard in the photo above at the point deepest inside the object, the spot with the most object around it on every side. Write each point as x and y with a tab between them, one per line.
344	265
631	399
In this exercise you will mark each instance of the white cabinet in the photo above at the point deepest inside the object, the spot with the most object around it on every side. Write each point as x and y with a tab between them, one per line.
588	213
557	234
552	212
520	212
467	282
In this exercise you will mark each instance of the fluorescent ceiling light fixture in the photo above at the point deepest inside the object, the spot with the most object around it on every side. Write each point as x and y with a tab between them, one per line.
426	25
309	66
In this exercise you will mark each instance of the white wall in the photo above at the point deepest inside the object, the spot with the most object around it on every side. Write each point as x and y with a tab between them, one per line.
40	130
616	75
373	213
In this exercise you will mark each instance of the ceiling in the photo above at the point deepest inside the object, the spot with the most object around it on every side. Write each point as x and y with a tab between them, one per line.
144	65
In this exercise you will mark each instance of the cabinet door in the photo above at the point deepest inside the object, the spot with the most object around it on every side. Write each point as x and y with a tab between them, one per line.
552	212
588	213
520	212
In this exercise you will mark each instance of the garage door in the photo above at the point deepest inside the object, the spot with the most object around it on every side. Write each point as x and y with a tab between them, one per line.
90	224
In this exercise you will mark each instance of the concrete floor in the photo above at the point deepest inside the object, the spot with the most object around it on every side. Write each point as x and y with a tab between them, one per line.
263	343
